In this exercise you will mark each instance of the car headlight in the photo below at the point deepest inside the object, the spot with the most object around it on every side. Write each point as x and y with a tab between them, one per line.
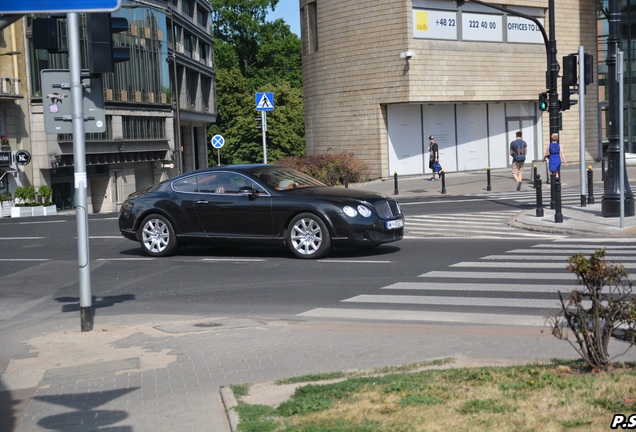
364	211
361	210
350	211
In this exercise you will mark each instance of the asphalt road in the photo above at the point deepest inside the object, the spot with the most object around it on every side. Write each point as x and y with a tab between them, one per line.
39	270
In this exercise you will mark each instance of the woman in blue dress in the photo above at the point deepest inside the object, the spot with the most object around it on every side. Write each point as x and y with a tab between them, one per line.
554	154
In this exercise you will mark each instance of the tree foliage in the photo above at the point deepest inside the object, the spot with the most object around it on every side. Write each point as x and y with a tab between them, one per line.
253	55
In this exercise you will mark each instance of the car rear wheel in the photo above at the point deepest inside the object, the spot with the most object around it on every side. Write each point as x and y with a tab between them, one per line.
308	236
157	237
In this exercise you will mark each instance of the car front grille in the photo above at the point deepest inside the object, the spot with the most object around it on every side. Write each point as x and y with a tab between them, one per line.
388	209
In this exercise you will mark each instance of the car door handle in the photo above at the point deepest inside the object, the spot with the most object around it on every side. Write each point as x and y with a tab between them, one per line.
202	202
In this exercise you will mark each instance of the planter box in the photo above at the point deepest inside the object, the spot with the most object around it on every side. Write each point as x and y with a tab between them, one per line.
5	208
17	212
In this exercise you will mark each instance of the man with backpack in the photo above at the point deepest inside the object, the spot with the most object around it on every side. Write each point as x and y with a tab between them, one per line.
518	151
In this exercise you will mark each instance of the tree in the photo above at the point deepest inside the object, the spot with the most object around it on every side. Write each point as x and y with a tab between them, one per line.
253	55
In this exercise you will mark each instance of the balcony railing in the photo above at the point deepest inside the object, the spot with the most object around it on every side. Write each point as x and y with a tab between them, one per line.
9	86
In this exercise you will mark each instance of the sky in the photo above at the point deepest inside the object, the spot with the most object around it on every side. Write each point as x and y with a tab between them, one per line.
289	10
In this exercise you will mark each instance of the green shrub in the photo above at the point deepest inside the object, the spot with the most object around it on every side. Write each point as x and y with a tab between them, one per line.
330	168
26	194
611	312
46	192
5	197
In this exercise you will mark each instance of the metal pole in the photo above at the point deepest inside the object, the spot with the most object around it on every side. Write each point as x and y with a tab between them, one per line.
582	123
80	177
488	185
177	96
264	129
558	215
621	141
590	185
553	73
396	191
443	182
611	201
539	195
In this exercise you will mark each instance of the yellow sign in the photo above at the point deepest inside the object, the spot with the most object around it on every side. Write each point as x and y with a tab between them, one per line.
421	21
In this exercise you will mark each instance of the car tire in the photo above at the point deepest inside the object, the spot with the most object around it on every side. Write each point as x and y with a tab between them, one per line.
157	237
308	236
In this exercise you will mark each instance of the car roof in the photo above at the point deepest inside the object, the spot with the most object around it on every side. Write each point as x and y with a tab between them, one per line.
245	168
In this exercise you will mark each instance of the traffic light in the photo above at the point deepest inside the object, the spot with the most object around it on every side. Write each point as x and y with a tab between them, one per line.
570	76
45	34
566	102
569	79
543	101
102	52
588	64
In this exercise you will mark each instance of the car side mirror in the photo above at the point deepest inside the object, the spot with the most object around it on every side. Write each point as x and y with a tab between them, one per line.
248	191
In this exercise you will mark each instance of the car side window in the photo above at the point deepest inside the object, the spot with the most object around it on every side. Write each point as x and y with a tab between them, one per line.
210	183
188	184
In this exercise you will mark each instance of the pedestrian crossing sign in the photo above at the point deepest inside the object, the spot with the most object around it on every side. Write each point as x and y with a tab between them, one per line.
265	101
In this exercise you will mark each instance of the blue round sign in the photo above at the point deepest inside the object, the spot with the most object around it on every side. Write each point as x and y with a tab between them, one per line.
217	141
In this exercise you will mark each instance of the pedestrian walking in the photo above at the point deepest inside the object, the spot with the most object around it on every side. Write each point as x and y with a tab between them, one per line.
433	161
554	155
518	151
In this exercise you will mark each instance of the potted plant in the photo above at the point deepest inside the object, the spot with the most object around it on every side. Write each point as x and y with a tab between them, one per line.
6	202
46	192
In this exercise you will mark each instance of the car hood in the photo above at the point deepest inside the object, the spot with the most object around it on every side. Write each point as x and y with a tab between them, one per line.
337	192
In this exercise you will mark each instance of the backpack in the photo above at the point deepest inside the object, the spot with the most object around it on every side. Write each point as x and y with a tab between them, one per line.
519	156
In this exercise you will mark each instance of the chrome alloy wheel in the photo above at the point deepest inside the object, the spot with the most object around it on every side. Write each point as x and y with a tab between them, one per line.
155	236
306	236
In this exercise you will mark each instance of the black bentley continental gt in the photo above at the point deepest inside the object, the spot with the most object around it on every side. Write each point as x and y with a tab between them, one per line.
257	203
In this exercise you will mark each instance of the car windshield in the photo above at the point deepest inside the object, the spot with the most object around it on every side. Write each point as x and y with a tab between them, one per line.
281	178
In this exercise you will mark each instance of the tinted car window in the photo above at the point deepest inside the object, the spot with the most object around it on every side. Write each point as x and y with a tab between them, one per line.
188	184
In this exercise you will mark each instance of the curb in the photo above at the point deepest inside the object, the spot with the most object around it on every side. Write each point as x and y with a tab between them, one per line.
230	404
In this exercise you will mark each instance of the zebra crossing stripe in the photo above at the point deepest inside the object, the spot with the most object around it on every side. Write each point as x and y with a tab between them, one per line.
457	301
551	265
553	257
465	287
430	317
498	275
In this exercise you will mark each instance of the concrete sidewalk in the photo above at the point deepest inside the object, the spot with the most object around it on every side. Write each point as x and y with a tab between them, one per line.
164	373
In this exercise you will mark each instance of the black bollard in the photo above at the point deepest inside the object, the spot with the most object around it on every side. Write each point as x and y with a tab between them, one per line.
443	174
590	185
488	186
558	216
537	187
534	173
552	192
346	181
396	191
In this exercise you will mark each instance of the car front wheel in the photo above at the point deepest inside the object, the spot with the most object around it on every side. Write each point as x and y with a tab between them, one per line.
308	236
157	237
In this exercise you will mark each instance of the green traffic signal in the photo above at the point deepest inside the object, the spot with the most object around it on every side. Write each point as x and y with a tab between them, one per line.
543	101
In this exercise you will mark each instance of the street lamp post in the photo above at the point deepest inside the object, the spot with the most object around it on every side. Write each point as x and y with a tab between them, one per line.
175	83
611	201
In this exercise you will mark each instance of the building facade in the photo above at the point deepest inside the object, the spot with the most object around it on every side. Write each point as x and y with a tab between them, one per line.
381	77
14	108
158	105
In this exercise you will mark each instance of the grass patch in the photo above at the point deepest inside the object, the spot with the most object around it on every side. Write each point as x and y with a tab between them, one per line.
560	396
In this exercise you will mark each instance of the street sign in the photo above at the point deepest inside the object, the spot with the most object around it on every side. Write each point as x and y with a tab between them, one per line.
22	157
48	6
265	101
57	106
217	141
